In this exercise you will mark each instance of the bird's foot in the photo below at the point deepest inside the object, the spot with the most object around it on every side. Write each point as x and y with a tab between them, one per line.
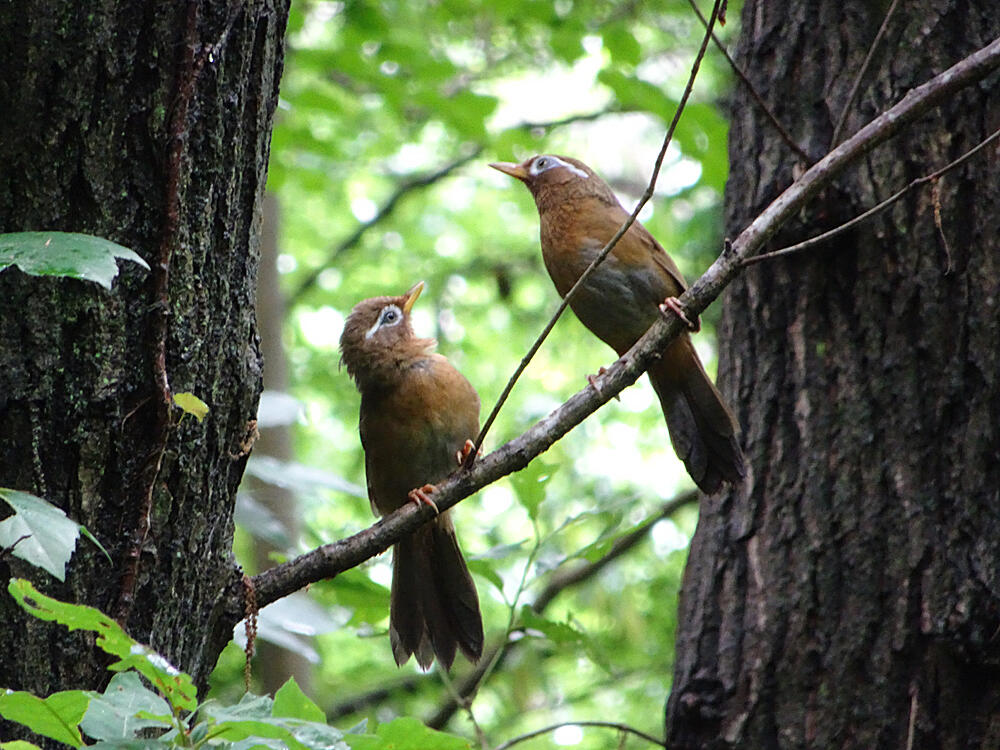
463	455
674	305
592	379
421	496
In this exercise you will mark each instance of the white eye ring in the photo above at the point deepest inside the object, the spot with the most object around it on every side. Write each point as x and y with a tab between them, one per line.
389	316
547	162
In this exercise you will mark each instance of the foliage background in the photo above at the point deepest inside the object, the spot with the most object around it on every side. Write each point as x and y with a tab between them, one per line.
376	97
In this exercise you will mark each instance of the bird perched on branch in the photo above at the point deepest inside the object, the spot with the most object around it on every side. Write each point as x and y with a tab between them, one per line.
418	416
620	300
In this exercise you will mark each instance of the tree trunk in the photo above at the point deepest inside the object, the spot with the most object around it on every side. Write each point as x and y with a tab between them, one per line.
149	124
848	595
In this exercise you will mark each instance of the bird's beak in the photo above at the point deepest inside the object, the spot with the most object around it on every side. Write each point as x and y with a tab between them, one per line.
514	170
411	296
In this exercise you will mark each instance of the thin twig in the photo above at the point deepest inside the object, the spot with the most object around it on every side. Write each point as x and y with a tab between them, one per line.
819	239
606	724
856	87
606	250
778	127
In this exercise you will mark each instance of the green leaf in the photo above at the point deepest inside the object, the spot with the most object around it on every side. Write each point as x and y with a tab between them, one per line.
38	532
18	745
557	632
55	717
176	686
406	733
191	404
290	701
114	714
529	485
620	42
253	717
78	256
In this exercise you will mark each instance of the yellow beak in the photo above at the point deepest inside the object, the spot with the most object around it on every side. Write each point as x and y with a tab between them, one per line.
516	171
411	296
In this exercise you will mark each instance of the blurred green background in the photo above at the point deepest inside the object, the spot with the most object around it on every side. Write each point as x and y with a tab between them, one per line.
389	114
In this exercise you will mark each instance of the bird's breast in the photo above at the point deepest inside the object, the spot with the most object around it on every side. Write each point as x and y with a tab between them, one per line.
412	431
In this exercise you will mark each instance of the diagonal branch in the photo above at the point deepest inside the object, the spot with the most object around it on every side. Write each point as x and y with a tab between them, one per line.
331	559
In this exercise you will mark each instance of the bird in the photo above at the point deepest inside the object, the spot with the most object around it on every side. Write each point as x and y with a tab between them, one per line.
417	417
578	213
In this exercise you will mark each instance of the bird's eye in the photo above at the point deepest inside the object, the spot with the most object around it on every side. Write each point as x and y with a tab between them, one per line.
541	164
390	315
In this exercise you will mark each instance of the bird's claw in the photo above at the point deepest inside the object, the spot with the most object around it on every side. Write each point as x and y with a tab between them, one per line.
421	496
673	305
461	456
592	379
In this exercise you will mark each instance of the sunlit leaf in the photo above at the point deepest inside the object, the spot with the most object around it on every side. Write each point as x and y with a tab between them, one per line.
191	404
176	686
290	701
78	256
56	717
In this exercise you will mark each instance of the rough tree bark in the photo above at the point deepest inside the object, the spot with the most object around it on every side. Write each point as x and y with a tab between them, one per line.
147	123
849	594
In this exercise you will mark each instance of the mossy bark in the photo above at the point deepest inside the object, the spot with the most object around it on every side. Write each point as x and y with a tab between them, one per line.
149	124
848	595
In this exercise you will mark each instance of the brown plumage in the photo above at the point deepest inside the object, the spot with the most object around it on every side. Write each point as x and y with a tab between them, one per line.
417	414
579	213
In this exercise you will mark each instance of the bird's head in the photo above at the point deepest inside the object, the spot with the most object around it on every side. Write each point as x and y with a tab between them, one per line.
378	337
550	177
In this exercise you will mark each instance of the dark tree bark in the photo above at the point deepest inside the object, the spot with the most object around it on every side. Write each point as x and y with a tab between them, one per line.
149	124
848	595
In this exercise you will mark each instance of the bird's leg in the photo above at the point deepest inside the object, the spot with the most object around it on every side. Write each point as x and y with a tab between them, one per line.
421	496
463	455
592	379
674	305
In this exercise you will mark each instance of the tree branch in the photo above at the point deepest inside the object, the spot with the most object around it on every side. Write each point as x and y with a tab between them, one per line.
331	559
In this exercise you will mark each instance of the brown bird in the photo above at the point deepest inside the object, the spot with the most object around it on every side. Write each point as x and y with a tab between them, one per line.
418	415
579	213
